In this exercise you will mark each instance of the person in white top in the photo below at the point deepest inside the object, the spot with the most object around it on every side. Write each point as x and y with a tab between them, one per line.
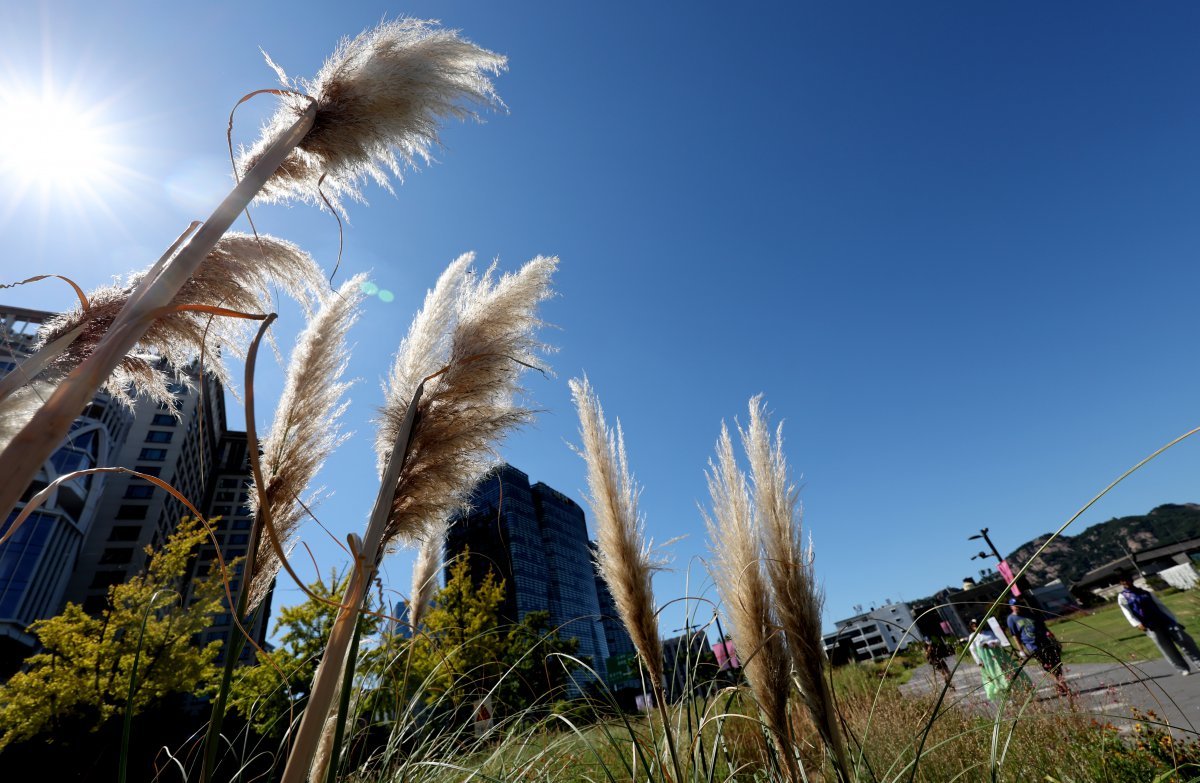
1144	611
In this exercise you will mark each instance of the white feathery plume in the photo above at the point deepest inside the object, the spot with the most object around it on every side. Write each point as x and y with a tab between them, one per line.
796	597
239	274
379	101
18	408
307	426
623	552
425	574
738	572
472	403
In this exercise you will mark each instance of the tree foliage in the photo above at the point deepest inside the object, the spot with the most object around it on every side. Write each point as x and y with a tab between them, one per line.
268	693
83	673
465	650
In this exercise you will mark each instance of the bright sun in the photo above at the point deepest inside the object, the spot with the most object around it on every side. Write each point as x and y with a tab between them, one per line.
55	144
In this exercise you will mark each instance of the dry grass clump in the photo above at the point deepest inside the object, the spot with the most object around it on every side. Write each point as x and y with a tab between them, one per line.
379	100
240	273
477	334
307	428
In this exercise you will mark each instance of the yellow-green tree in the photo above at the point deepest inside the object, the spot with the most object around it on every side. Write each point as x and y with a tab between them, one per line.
459	650
268	693
83	674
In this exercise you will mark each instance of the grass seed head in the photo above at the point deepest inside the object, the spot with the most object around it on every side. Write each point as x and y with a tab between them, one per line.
380	99
474	402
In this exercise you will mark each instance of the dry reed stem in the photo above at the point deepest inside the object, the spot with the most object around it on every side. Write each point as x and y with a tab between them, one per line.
307	426
472	402
380	99
789	567
738	571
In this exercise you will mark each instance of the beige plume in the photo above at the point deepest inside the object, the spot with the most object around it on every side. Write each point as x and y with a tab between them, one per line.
239	274
472	403
425	574
789	566
307	425
738	571
379	100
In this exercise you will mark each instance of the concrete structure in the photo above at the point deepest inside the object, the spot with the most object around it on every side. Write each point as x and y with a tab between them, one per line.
1102	582
94	531
535	539
872	635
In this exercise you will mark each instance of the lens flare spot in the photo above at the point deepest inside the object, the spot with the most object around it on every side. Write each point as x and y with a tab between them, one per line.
369	288
386	295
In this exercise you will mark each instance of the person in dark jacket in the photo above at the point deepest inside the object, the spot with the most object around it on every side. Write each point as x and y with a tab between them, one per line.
1144	611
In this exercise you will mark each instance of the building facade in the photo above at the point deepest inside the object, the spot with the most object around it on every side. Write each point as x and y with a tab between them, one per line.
872	635
535	539
94	531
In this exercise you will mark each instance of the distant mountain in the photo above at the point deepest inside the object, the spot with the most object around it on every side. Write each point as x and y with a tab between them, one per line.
1070	557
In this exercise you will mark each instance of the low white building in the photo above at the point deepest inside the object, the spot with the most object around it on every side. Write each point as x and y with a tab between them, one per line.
873	635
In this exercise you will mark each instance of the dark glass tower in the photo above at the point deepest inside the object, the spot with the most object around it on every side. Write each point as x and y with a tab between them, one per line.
535	538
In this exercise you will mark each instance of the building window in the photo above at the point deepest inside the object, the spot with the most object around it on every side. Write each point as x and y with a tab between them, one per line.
239	538
149	470
132	511
163	420
221	511
159	436
224	497
139	491
125	532
117	556
153	454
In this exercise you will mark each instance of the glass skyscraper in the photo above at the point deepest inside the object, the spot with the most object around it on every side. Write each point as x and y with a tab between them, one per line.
535	539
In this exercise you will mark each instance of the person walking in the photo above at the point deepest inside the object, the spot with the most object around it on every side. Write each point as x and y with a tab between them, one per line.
996	665
1035	641
1144	611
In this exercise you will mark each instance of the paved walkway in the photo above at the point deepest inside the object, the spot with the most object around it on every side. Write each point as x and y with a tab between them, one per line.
1111	691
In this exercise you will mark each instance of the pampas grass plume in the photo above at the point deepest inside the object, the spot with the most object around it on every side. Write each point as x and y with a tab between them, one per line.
623	552
239	274
425	574
306	429
472	403
738	571
379	99
789	566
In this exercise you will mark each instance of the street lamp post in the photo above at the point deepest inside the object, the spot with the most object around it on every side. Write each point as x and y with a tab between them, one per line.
1021	582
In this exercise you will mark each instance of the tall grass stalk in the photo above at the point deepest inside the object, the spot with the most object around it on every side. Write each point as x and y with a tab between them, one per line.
789	567
738	572
623	553
304	433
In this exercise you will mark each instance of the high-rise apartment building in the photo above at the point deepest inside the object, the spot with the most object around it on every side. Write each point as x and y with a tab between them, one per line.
93	532
535	539
36	562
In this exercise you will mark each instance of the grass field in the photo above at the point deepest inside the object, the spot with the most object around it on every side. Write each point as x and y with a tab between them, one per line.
1104	635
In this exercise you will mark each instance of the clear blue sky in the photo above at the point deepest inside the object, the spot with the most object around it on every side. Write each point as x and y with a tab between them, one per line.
954	244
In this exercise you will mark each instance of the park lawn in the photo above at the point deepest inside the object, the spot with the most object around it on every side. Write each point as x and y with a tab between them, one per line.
1104	635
